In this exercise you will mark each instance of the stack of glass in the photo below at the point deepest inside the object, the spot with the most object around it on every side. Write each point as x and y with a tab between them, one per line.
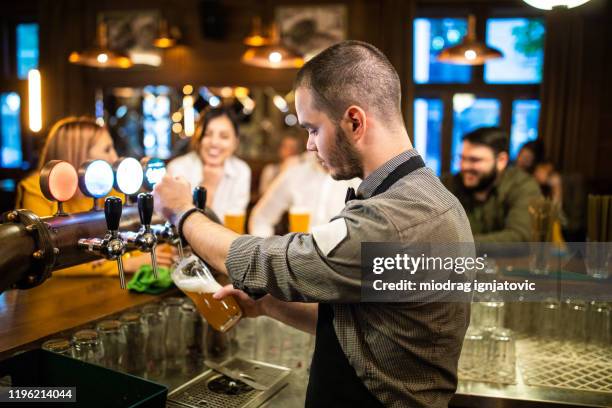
169	337
569	329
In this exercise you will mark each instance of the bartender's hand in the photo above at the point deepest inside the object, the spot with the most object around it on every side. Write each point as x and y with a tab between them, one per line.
250	307
173	197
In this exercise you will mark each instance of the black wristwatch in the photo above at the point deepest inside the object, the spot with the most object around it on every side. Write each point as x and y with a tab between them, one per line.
184	217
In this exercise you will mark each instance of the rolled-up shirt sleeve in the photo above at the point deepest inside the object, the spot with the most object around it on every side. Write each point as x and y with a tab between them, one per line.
295	267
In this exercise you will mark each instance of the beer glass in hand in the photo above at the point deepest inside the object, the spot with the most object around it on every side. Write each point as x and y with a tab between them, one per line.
193	277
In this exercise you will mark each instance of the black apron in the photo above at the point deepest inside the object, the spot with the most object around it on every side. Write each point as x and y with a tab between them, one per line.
333	381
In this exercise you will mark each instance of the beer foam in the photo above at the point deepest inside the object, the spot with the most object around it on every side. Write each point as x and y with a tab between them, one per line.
235	213
197	285
299	210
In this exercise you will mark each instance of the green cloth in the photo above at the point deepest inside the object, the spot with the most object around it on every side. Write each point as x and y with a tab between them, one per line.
144	282
504	215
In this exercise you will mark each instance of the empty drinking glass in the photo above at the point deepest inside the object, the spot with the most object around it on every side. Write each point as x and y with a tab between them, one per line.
190	328
87	346
133	360
492	315
598	324
519	315
543	214
59	346
473	351
171	310
549	319
501	358
476	314
575	319
599	259
154	325
113	342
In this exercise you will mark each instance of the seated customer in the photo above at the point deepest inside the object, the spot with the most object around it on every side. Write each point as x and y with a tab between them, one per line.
549	180
496	197
212	163
306	185
530	155
288	154
77	140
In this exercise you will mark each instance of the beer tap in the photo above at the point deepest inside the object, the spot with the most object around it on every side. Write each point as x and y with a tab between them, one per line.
111	246
168	233
146	240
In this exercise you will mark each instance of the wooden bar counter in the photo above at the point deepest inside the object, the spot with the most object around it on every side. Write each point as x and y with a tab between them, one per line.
61	303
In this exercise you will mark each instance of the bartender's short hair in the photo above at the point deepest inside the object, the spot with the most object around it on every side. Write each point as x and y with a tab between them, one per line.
493	137
352	73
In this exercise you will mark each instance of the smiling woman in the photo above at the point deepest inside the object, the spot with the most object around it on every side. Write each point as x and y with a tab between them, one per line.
212	163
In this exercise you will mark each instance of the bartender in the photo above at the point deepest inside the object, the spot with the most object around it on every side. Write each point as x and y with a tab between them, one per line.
366	354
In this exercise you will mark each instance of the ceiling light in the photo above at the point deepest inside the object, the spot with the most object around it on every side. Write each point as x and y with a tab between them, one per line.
470	51
275	55
164	38
256	38
100	56
550	4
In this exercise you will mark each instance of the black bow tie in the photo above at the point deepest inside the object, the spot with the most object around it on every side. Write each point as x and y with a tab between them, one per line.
350	195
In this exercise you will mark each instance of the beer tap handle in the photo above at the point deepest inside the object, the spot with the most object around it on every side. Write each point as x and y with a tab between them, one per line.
199	197
116	246
199	200
145	211
112	213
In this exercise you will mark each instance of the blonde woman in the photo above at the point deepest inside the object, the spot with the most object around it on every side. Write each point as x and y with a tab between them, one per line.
76	140
212	163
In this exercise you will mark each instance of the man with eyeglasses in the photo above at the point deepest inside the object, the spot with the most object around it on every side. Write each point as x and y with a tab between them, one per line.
496	197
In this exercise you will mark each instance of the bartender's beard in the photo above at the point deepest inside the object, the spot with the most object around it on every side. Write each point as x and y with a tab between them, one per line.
485	181
344	161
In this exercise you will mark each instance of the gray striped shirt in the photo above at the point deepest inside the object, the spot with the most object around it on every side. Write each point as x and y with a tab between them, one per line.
405	353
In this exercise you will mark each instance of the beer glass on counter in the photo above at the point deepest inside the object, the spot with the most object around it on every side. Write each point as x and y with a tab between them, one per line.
234	220
193	277
299	219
